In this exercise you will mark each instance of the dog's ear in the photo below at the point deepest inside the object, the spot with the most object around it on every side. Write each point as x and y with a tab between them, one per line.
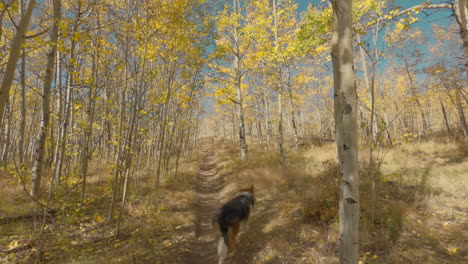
252	189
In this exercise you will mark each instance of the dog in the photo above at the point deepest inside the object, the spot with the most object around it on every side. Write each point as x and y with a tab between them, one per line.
229	219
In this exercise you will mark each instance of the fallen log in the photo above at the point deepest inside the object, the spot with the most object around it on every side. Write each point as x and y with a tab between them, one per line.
7	219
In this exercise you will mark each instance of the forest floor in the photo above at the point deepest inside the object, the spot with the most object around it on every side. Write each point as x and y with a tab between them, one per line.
421	215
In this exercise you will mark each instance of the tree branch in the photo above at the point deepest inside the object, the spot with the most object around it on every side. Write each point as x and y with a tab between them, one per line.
414	8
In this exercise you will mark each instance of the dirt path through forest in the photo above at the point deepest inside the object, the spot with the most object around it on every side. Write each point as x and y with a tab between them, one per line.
207	187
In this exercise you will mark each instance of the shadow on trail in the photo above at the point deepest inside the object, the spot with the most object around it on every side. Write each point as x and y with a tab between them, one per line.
207	186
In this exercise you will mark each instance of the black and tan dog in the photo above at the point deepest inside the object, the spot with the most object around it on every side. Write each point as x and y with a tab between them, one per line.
229	218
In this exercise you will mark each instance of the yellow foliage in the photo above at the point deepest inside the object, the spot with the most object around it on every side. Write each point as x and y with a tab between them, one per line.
97	218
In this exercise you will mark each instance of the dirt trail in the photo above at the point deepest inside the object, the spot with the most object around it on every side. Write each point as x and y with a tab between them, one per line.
207	189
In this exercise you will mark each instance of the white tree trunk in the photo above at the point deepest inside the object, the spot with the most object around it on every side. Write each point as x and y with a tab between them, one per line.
237	65
460	9
346	130
41	138
16	46
280	89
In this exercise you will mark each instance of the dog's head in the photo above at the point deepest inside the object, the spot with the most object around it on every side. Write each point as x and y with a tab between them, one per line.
250	190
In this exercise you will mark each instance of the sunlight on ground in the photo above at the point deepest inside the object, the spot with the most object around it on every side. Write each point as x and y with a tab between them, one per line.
422	212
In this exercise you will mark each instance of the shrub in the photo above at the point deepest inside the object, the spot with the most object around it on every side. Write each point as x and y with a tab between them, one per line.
321	199
394	216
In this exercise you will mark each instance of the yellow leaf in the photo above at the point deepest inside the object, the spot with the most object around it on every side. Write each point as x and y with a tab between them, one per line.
97	218
13	244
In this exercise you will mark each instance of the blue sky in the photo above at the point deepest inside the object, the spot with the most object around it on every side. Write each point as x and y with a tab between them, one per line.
426	20
425	23
439	17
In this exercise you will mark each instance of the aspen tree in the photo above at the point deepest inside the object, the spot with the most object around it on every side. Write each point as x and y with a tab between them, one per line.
346	129
49	74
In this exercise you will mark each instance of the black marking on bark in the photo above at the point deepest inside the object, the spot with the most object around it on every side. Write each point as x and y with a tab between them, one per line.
345	147
347	108
350	200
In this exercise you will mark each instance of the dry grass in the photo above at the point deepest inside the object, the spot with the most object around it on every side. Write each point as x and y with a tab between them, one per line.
428	180
421	213
80	234
415	180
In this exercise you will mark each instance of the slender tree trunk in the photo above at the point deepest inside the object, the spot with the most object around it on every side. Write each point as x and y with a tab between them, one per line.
161	145
259	132
88	133
346	120
416	97
370	88
128	157
60	112
16	47
293	108
22	127
445	118
460	8
280	130
29	151
237	66
461	114
40	143
233	126
240	116
7	133
120	148
280	89
267	116
62	138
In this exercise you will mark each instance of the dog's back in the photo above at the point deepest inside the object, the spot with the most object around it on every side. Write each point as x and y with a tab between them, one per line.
234	212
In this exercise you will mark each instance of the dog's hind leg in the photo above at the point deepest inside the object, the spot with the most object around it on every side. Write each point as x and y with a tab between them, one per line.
222	250
234	232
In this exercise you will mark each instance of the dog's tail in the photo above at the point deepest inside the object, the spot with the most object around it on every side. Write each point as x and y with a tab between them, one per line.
225	235
223	242
223	226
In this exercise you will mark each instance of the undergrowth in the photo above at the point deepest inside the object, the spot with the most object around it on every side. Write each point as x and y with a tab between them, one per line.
419	211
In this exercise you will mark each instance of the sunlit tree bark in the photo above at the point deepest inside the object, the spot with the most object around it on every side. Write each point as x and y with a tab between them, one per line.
15	50
49	74
346	130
